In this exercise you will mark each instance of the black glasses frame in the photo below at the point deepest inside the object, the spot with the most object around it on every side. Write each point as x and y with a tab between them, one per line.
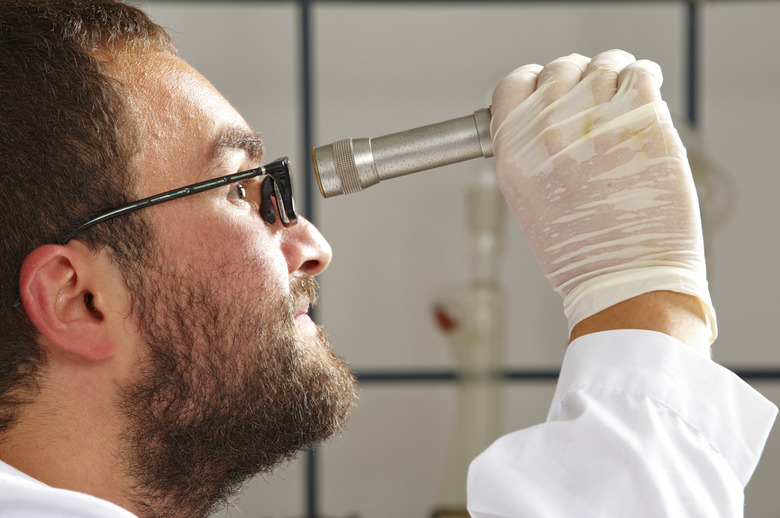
278	170
281	188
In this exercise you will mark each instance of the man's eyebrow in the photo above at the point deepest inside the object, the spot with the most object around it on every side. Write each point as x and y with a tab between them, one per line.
239	138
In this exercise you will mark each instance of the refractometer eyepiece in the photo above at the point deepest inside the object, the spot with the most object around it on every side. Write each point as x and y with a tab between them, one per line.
351	165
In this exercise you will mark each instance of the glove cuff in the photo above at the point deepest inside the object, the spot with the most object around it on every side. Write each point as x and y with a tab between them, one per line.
604	291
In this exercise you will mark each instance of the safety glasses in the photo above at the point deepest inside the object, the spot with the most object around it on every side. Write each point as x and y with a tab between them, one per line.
278	185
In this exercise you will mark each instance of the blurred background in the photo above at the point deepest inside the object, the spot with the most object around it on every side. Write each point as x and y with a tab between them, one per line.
395	300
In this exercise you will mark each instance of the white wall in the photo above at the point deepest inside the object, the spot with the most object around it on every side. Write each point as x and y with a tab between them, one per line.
382	67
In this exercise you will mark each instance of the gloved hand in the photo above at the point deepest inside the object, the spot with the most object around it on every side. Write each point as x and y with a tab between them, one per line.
589	162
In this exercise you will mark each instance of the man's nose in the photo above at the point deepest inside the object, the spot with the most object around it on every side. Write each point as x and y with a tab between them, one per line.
305	248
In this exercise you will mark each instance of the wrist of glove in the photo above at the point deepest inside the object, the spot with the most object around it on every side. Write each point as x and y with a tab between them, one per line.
597	176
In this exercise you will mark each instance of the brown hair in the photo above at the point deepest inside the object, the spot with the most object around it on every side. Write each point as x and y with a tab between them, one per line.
67	143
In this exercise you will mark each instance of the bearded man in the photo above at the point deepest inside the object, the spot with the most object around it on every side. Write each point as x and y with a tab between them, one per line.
154	359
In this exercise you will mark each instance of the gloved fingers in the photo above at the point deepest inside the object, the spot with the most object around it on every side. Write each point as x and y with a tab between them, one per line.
613	85
553	81
640	83
511	92
562	75
602	74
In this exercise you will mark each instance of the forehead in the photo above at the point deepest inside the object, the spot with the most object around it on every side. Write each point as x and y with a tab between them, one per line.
185	124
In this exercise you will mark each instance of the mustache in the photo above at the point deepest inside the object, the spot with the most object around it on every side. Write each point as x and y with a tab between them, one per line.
304	289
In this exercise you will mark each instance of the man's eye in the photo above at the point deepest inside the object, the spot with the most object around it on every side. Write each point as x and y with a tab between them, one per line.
240	191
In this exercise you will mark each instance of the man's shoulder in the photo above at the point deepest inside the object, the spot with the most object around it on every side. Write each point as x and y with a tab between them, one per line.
21	496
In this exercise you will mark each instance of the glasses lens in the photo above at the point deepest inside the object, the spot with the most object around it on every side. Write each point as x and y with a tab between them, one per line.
278	185
267	209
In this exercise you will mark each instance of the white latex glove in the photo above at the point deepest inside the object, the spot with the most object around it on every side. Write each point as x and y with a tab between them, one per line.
592	167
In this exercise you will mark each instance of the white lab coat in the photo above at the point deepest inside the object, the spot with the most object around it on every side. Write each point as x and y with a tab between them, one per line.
24	497
640	426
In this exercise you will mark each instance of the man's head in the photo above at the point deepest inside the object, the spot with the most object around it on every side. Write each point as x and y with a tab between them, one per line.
191	315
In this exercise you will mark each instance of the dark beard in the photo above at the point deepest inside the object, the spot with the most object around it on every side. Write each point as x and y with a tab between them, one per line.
227	392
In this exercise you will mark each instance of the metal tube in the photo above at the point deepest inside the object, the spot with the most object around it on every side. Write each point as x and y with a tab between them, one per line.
351	165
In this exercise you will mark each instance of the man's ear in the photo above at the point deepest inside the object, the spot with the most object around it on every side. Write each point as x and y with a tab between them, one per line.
69	294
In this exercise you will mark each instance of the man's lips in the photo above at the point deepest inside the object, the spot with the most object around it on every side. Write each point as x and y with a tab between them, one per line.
302	311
